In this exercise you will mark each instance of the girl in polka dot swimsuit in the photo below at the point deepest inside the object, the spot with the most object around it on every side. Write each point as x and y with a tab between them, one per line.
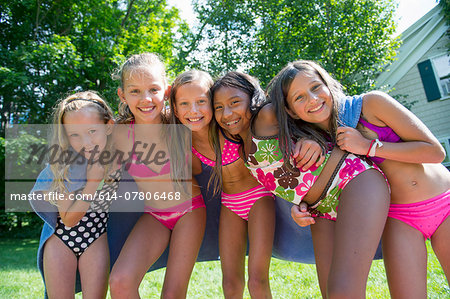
83	124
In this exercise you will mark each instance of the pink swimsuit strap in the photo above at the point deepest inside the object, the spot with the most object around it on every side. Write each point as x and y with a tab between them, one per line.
140	170
384	134
230	153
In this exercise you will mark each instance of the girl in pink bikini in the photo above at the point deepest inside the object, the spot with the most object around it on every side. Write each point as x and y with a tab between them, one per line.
247	208
404	149
342	262
178	222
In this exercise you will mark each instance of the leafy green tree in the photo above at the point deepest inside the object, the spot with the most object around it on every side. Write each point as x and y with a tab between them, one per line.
51	47
352	39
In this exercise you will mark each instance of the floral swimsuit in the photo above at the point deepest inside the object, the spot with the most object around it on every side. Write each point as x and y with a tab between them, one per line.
265	161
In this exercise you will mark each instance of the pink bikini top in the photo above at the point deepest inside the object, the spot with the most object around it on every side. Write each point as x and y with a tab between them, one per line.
230	152
384	134
140	170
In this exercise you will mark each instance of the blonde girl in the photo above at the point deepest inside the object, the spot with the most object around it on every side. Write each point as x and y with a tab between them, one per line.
74	237
180	224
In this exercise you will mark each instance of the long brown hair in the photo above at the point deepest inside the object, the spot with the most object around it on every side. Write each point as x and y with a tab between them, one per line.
293	129
250	86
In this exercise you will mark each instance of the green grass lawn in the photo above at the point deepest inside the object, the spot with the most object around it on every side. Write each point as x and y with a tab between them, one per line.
19	277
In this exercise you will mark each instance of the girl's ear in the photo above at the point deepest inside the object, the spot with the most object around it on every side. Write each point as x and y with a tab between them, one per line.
109	127
167	92
121	95
291	114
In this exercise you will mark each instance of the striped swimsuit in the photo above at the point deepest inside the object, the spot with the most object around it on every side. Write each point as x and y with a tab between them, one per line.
239	203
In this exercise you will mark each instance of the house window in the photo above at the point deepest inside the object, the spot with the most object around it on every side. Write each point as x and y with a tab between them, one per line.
441	66
435	75
445	142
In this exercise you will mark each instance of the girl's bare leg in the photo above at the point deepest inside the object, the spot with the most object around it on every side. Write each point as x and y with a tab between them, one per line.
323	237
146	242
232	248
185	243
261	228
441	246
93	265
362	213
60	268
405	260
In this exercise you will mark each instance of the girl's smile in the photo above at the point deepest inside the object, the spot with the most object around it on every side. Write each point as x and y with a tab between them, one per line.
231	109
86	132
309	99
193	106
143	91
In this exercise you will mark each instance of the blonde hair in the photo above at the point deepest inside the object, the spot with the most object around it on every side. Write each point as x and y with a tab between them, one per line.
178	142
200	77
137	63
74	102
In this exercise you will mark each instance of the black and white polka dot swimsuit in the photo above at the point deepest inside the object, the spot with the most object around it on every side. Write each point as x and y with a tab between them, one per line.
93	224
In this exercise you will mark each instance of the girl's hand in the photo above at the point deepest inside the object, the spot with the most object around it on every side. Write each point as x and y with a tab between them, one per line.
301	215
306	153
351	140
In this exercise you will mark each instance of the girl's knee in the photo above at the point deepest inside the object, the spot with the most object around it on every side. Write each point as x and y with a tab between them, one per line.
233	286
342	284
258	284
120	283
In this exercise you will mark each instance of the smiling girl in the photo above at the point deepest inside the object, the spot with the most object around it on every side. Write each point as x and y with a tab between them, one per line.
247	114
247	207
180	223
403	147
74	238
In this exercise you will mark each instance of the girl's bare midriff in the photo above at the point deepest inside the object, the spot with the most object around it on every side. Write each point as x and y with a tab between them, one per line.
412	183
237	178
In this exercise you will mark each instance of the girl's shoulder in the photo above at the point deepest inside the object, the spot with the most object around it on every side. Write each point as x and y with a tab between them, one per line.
265	122
377	105
122	134
376	97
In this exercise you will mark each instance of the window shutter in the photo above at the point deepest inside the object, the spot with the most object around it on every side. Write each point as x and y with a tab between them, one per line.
429	80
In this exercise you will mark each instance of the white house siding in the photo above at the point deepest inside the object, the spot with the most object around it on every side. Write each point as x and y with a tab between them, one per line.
434	114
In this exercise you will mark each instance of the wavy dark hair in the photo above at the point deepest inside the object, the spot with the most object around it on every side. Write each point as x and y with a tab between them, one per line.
294	129
250	86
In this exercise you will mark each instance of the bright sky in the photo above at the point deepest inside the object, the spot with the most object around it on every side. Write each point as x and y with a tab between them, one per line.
408	12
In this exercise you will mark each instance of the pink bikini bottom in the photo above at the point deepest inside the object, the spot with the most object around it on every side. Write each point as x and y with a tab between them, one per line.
170	216
425	216
241	203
